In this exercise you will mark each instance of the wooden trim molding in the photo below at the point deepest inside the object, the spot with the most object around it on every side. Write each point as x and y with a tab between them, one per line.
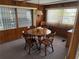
16	15
32	17
60	5
74	39
19	3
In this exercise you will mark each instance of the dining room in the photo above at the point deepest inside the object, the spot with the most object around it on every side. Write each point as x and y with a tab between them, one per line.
39	29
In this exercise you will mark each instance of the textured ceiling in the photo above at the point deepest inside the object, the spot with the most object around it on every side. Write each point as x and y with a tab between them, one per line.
46	2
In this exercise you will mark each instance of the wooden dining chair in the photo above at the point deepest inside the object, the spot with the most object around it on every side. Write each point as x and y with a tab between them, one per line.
31	27
29	41
48	41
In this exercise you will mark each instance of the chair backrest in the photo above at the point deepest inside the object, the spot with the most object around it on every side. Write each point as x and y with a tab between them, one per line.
25	35
51	28
28	38
51	36
31	27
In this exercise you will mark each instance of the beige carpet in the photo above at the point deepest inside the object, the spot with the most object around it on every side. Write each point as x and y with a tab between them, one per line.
15	50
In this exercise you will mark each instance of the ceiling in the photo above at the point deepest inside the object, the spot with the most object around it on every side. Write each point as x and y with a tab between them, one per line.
47	2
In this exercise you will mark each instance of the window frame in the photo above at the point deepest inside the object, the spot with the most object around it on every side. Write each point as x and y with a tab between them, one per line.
30	14
60	24
15	7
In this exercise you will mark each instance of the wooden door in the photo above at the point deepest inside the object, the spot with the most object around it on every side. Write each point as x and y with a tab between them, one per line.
75	38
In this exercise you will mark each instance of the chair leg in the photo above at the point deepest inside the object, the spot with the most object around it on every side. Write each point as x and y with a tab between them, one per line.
29	50
30	46
52	47
40	47
36	45
45	50
25	45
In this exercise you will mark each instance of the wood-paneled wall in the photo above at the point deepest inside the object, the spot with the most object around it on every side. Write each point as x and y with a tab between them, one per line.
17	3
12	34
61	5
61	31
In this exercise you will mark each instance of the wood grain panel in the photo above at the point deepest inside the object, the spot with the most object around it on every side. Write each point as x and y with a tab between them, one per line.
69	35
18	3
60	5
6	2
74	39
61	31
12	34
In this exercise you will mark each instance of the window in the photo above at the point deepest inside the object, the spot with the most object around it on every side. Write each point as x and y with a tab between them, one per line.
24	17
1	22
7	18
61	16
69	16
54	16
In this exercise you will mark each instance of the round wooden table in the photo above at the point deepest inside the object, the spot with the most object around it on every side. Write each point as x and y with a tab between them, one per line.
39	31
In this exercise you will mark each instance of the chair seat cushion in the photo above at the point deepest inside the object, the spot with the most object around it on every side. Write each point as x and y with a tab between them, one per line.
45	42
